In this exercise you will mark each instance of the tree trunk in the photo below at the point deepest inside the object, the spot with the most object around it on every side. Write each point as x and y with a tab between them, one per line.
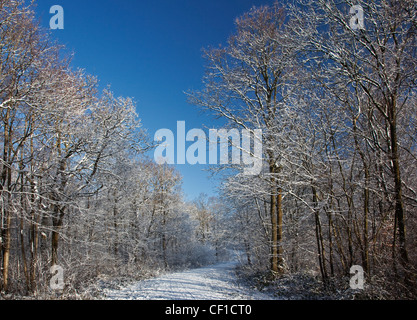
6	249
319	239
365	221
5	194
33	252
23	253
22	225
365	249
274	225
247	250
279	232
399	204
54	245
57	222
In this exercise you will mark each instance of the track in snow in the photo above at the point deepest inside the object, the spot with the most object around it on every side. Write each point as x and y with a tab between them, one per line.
216	282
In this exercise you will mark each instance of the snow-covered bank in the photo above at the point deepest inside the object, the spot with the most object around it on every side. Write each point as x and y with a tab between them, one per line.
217	282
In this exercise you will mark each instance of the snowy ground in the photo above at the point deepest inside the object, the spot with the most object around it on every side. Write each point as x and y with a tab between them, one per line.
216	282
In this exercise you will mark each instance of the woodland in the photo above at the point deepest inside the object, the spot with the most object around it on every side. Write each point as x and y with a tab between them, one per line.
337	107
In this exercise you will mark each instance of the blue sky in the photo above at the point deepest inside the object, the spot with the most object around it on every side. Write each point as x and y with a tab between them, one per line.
152	51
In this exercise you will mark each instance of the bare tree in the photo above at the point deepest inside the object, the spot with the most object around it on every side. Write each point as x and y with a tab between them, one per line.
250	83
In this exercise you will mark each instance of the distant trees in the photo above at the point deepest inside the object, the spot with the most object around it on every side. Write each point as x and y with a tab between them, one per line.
336	106
213	227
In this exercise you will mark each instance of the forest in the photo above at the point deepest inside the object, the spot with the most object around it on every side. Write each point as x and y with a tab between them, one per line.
337	108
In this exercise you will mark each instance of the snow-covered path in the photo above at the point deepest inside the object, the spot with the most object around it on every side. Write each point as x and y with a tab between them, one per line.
216	282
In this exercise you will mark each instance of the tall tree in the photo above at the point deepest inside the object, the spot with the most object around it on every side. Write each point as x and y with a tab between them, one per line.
250	83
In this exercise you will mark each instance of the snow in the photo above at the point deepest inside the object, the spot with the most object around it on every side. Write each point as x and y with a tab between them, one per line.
217	282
